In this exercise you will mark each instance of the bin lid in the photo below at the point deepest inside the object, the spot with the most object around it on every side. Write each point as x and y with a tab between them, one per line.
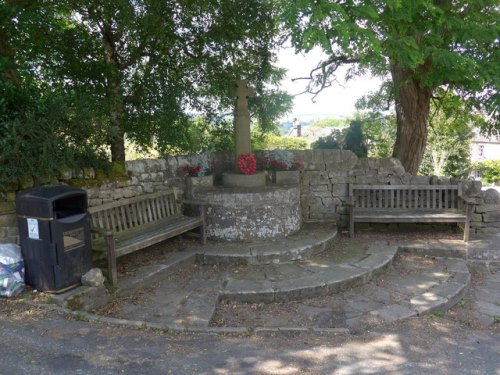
39	201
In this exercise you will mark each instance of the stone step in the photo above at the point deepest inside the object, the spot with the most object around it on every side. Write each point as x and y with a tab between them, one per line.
311	240
486	249
184	296
311	278
414	286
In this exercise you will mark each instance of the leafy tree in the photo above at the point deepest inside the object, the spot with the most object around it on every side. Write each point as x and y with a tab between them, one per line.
335	140
354	139
450	132
350	138
275	142
146	65
490	170
380	134
41	132
421	44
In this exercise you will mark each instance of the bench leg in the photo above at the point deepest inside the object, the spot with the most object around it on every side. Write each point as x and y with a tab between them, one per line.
467	223
203	235
203	232
351	221
113	275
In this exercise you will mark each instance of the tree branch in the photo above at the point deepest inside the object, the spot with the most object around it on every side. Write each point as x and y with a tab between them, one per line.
322	75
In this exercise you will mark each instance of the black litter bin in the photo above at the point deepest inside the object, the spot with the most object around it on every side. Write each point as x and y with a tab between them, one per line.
54	231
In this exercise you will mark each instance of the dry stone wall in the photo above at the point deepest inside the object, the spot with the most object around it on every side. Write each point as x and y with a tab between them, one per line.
486	217
327	175
323	184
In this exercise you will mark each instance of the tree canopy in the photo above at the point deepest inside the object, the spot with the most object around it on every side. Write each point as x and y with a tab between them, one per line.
143	68
417	45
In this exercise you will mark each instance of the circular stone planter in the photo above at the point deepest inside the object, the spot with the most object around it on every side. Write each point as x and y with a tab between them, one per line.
250	214
258	179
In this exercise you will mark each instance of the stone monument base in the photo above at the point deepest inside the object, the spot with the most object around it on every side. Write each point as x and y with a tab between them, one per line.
258	179
251	214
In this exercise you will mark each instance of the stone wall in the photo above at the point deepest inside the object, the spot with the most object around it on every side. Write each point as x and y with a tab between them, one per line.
327	174
323	184
486	217
8	220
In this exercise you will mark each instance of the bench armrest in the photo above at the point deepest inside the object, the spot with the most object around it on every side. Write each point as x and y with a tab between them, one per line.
194	202
101	231
470	200
202	207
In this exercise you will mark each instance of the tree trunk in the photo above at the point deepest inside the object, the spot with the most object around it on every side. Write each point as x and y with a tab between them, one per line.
116	106
412	116
117	134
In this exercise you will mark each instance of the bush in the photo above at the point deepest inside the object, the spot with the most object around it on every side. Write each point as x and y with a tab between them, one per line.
334	141
490	170
350	138
39	137
276	142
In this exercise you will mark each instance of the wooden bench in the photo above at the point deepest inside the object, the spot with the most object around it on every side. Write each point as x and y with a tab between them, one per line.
132	224
409	204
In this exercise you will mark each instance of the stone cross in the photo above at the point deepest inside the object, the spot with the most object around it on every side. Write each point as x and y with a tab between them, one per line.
242	117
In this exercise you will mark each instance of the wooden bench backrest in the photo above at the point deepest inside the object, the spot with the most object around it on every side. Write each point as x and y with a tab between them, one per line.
418	197
133	212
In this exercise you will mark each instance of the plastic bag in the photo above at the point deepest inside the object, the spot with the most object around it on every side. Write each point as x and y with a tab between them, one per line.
11	270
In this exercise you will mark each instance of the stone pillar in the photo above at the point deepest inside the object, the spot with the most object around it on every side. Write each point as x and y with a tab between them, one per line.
242	118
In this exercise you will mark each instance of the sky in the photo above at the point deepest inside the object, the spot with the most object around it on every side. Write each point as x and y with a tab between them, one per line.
335	101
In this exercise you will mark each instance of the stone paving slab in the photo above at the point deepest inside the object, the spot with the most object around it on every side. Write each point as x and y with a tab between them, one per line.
412	284
427	303
300	288
375	261
455	265
393	313
285	271
487	248
249	291
191	305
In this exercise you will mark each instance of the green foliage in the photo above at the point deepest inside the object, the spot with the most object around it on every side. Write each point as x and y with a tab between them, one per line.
380	134
450	132
354	139
329	122
350	138
201	135
268	107
147	65
490	170
334	141
420	46
39	136
275	142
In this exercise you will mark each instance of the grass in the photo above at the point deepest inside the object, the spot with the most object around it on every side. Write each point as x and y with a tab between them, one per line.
80	316
439	314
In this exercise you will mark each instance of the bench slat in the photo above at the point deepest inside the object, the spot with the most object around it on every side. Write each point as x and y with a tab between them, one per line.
407	203
140	238
401	213
139	222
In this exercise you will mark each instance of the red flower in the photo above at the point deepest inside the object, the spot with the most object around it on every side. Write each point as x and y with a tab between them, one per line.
195	171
